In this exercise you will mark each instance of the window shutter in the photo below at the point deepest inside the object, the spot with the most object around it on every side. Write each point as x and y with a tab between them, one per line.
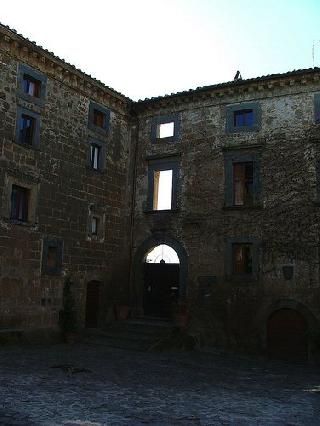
256	181
228	170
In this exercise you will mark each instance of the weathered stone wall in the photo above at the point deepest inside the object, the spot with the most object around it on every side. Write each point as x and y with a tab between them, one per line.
285	223
65	189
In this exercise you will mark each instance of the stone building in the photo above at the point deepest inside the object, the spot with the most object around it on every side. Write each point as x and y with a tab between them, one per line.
225	175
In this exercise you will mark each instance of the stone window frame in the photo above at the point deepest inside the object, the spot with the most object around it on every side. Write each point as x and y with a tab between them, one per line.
102	156
256	243
94	211
33	189
316	105
164	119
235	155
231	109
36	136
52	242
162	164
103	110
37	75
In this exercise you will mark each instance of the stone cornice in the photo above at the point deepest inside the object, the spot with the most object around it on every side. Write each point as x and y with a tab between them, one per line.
27	51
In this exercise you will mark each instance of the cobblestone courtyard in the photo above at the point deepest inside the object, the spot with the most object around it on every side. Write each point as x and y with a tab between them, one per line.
79	385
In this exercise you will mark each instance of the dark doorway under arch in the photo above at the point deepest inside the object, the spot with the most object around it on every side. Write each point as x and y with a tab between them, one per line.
92	304
166	279
287	335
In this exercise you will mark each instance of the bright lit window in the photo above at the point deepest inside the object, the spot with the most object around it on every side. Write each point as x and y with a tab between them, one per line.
162	190
166	130
162	252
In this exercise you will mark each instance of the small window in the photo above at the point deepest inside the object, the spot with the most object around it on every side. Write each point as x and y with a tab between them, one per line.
166	130
162	190
99	118
243	184
26	129
317	108
243	118
241	259
94	225
95	153
19	203
31	86
52	256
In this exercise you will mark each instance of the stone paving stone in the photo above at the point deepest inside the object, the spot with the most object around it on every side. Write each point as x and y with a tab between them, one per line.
94	386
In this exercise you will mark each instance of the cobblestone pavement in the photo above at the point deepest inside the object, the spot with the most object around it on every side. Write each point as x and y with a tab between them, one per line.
79	385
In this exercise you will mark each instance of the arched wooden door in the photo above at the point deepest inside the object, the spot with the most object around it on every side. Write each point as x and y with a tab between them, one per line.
287	335
92	304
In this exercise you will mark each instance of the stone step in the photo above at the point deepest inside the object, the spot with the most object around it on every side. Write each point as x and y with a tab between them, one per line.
134	334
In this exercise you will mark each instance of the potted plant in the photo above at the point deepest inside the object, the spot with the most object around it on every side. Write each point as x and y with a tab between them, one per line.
67	315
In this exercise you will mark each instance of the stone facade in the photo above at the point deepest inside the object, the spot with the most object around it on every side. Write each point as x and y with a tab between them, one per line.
204	226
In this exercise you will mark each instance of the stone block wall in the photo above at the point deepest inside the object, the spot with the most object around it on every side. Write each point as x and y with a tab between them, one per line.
64	189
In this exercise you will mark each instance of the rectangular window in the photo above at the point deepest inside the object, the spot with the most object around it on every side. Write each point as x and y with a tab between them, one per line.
162	190
52	257
166	130
94	225
243	118
317	108
241	259
242	184
31	86
26	129
52	251
99	119
19	203
95	152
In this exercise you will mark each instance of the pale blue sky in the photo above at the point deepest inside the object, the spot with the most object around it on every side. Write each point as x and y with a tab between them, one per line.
146	48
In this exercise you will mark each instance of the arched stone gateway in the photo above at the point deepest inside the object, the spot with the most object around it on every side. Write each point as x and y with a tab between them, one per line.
159	275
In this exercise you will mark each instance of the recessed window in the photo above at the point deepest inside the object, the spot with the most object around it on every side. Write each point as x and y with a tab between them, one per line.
162	195
243	184
317	108
94	225
243	118
99	119
31	86
19	203
241	259
166	130
242	178
95	153
26	129
52	252
52	256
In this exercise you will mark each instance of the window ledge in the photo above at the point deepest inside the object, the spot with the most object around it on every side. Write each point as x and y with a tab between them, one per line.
169	139
95	171
31	99
21	223
242	279
149	211
245	208
27	146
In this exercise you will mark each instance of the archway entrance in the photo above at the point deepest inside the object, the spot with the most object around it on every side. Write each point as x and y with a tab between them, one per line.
161	277
92	304
287	335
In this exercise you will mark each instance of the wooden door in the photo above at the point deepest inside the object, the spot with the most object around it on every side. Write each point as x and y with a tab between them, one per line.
92	304
161	287
287	335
